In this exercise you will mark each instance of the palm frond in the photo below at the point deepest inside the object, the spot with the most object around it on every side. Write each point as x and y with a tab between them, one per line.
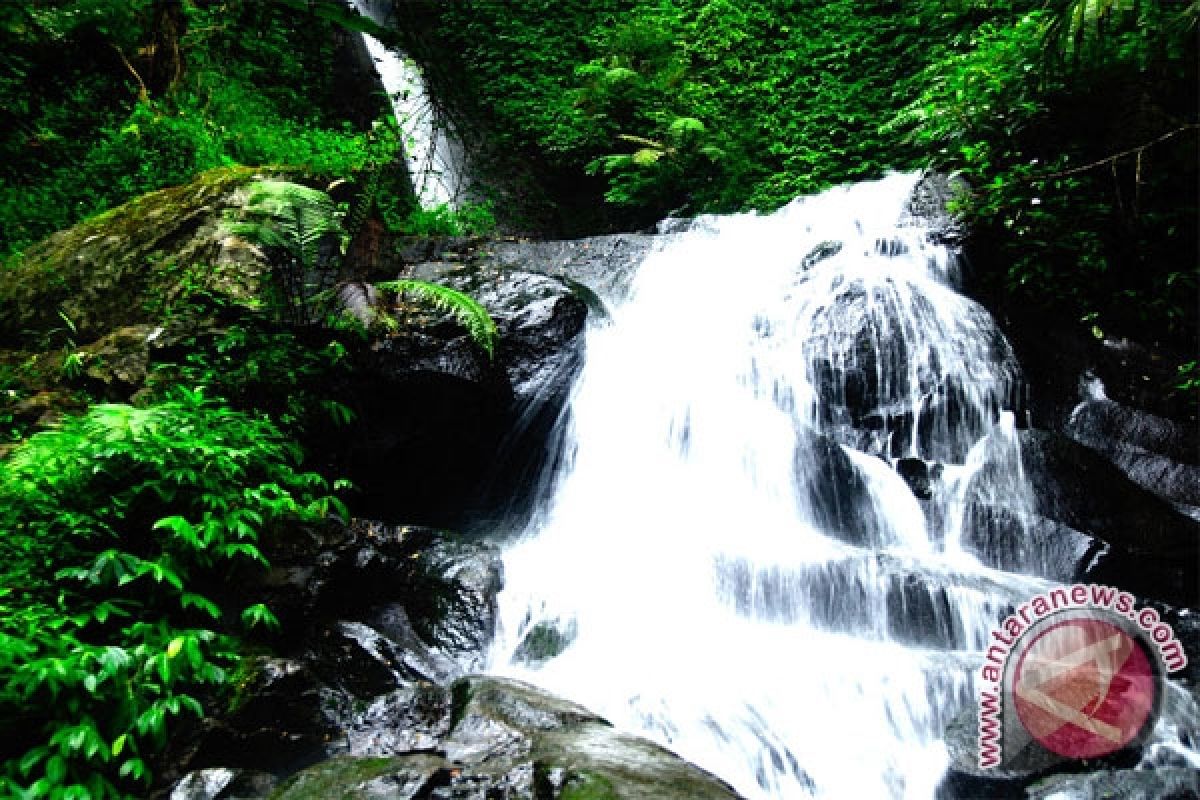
466	310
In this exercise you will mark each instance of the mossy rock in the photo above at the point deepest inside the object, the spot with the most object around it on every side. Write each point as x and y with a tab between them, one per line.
352	778
128	265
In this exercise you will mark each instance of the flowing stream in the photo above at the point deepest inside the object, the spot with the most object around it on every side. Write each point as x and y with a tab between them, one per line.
729	561
433	153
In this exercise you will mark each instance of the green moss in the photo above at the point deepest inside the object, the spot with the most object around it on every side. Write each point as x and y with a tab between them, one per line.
588	786
114	269
347	777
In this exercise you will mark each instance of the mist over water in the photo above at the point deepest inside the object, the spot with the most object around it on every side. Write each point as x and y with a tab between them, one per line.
729	552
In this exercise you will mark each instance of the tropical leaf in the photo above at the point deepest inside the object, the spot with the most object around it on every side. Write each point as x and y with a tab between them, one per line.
290	216
466	310
294	219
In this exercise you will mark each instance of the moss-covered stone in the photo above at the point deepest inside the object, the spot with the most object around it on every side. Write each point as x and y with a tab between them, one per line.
360	778
129	265
587	786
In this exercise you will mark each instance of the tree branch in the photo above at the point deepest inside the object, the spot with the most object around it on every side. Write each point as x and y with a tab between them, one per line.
1115	157
143	93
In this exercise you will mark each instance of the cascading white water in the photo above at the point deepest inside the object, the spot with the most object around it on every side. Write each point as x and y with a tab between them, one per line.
730	556
433	154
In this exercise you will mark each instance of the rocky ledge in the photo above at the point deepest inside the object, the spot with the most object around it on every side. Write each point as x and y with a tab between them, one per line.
371	697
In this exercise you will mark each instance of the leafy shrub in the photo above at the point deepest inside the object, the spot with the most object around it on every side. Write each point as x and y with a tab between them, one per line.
472	219
83	134
121	526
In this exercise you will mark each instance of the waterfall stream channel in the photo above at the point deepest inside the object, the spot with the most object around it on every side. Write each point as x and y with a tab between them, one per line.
751	549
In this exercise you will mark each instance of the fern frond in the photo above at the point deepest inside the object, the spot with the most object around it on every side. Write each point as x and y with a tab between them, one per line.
288	215
466	310
294	219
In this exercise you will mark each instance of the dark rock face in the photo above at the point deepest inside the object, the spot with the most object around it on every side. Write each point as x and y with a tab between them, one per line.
446	433
1174	783
511	405
369	698
1158	454
828	483
377	618
1153	550
1002	539
919	475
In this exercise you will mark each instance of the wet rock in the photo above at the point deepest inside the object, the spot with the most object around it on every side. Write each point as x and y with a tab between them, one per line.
396	778
919	475
444	584
823	251
356	659
544	641
378	620
430	416
410	719
888	386
511	740
1154	550
1175	783
518	724
444	426
280	715
929	202
1156	453
1001	538
223	784
834	491
605	264
877	597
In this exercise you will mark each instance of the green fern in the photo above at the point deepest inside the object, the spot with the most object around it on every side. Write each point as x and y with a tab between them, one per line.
289	216
466	310
294	219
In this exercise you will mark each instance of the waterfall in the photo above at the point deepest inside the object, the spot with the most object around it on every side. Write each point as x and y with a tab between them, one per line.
752	550
433	153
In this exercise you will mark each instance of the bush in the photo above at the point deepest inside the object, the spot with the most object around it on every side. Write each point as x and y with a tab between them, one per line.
122	526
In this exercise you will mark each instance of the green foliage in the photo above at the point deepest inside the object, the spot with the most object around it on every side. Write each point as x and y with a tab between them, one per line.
255	83
256	365
467	311
119	523
298	222
472	219
1073	127
693	105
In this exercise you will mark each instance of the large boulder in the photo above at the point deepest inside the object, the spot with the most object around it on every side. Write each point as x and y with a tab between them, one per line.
126	266
1093	522
511	740
1158	454
443	425
376	622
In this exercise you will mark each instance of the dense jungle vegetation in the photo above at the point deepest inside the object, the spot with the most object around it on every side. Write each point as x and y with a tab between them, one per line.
1073	122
